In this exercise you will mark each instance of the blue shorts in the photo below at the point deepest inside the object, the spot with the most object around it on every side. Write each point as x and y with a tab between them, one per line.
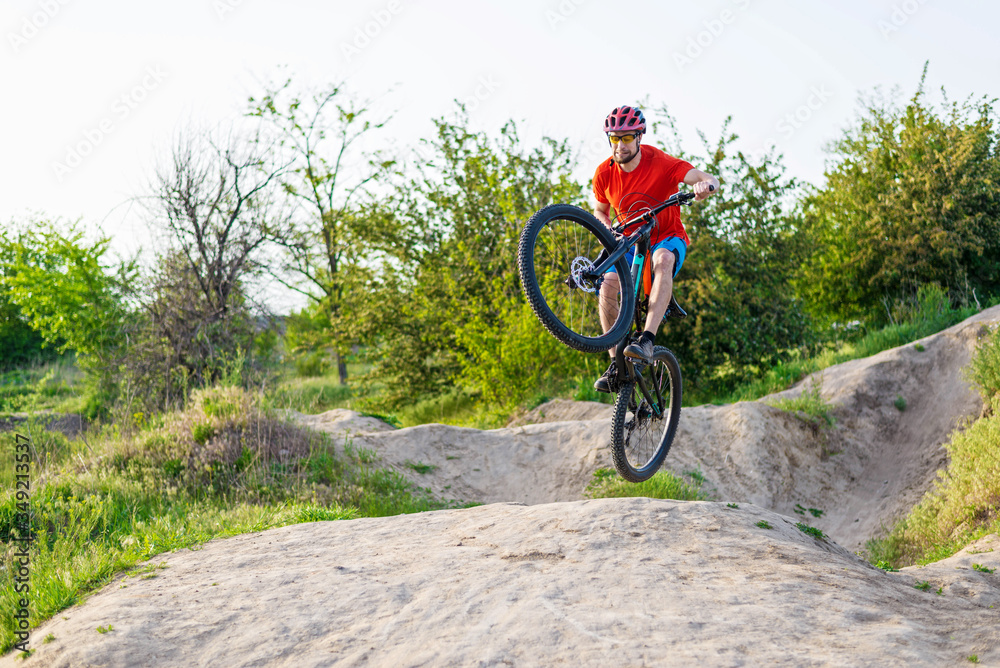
675	245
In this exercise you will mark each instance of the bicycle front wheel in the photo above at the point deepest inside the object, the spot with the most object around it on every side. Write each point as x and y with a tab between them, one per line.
647	410
558	245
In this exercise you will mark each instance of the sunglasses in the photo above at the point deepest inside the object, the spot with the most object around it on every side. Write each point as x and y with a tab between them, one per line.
628	139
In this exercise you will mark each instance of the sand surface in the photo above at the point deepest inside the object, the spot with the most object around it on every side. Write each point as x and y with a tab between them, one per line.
632	582
565	581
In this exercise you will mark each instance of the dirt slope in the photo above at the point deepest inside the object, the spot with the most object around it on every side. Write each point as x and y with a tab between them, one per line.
587	583
629	581
864	473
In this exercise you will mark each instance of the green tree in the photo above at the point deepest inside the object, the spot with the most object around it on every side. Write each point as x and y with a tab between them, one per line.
340	232
72	294
745	247
453	312
20	343
912	198
67	289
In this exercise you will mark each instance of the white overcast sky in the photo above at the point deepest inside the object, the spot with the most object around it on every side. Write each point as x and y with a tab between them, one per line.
123	77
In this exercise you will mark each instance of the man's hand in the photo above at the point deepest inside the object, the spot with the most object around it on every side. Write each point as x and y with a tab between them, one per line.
701	182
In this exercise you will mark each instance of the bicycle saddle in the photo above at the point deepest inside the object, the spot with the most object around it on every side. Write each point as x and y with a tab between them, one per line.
674	310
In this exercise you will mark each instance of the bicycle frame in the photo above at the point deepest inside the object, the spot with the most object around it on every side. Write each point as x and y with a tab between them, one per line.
639	238
627	363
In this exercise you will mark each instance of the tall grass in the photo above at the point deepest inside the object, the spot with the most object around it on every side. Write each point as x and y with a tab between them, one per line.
663	485
964	504
220	467
56	385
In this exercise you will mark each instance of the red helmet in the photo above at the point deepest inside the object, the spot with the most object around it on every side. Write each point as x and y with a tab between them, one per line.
625	118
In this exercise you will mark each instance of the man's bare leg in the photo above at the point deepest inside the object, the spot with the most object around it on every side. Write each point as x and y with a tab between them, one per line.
663	287
659	300
609	306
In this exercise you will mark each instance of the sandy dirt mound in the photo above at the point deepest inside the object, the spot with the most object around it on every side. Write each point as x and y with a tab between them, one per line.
538	463
565	410
604	582
864	473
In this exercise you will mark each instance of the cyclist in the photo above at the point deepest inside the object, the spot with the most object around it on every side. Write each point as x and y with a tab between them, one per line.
636	176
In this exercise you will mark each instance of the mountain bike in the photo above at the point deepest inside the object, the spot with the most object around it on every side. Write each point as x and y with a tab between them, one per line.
563	255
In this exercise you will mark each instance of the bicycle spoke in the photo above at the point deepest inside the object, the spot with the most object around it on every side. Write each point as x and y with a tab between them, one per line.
561	247
646	416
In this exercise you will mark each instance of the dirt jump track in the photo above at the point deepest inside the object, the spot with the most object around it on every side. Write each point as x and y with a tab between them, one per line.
539	576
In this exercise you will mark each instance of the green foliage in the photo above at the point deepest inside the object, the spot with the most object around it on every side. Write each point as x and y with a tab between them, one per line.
921	323
663	485
809	403
452	313
20	343
744	249
388	418
810	531
311	395
912	198
67	290
899	403
982	569
984	369
815	512
55	386
340	233
960	508
312	365
764	524
922	585
419	467
100	507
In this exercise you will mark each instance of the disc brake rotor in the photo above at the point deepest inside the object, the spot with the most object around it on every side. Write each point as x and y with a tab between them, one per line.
576	269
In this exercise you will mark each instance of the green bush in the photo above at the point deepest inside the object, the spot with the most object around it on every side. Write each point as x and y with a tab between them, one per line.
312	365
984	369
962	506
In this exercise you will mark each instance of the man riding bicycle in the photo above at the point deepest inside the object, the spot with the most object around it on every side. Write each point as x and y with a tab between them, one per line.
637	176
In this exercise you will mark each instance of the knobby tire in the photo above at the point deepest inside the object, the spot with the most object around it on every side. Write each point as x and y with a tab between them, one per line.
552	240
639	440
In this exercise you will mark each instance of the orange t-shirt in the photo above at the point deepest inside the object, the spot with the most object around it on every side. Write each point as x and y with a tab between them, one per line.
652	182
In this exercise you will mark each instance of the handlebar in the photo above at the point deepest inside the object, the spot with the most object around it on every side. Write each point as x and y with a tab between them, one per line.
677	199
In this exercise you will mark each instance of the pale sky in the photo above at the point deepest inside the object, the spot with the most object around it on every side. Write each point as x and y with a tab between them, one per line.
114	80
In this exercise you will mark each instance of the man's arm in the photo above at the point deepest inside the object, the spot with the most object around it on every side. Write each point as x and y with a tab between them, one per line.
602	210
701	182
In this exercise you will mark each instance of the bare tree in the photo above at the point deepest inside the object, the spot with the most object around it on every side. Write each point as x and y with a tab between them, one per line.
218	203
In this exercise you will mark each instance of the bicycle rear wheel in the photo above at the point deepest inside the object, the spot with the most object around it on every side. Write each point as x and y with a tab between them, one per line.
643	427
557	245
